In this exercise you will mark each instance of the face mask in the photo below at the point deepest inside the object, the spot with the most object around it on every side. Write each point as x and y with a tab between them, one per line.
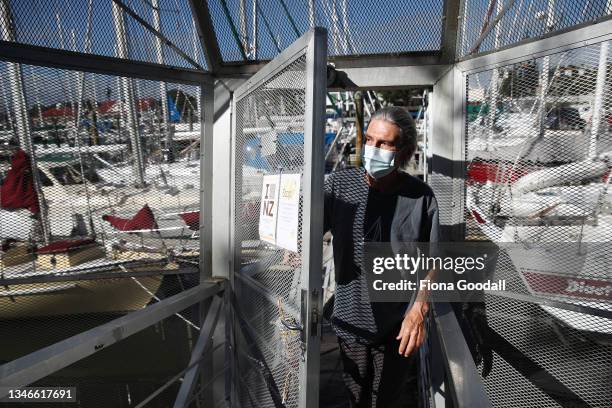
378	162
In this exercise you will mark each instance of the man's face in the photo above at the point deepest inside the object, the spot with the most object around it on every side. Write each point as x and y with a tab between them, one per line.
383	135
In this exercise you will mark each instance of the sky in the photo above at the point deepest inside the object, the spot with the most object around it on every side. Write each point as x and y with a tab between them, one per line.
354	26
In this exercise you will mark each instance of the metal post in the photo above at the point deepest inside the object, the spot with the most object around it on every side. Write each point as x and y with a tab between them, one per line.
22	120
201	349
163	90
314	131
128	103
206	179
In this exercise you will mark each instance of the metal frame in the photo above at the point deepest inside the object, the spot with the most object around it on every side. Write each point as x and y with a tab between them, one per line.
230	322
99	64
206	32
127	10
203	345
467	389
466	385
39	364
312	223
372	78
206	179
314	45
286	57
448	46
563	41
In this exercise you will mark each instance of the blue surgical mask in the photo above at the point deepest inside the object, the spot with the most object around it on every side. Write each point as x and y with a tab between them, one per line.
378	162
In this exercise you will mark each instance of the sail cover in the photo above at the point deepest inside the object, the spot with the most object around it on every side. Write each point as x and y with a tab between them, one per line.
143	220
18	190
66	245
192	219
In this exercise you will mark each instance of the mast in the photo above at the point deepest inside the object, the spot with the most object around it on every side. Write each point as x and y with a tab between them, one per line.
495	76
463	43
345	26
254	49
335	24
600	93
163	89
80	78
128	103
37	93
7	106
359	124
22	121
311	13
244	38
544	78
196	57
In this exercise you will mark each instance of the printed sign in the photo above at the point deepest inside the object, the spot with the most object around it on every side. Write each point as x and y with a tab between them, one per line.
279	213
269	208
288	212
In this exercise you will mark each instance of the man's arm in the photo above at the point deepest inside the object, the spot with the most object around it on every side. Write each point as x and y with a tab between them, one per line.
328	202
412	332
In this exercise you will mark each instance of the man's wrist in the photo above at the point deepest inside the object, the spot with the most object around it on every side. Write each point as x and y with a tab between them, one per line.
422	306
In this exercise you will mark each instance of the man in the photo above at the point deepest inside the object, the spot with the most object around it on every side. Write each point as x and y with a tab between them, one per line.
378	203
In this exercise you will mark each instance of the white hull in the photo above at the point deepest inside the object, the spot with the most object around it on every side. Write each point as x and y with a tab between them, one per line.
540	269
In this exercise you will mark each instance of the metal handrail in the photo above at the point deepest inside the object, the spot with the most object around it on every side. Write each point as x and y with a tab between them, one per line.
41	363
466	386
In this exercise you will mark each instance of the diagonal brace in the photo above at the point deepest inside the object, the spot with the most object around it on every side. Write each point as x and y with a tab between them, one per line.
203	345
156	33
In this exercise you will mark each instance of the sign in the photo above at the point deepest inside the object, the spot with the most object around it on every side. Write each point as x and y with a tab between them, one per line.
279	214
288	212
269	208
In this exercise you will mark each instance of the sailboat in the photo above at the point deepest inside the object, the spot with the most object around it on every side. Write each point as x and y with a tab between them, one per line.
62	265
539	188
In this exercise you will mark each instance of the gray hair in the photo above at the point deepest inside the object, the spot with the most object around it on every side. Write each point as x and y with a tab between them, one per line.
401	118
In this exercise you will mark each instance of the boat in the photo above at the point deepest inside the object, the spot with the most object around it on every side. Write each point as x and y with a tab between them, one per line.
553	223
71	270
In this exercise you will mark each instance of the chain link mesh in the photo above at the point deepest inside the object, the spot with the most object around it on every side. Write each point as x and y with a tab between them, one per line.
354	28
101	27
489	25
537	149
99	181
269	140
126	373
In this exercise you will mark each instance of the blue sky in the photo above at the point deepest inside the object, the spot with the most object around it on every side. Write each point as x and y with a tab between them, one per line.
374	26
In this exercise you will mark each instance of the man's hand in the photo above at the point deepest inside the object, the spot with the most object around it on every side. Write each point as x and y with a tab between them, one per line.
412	333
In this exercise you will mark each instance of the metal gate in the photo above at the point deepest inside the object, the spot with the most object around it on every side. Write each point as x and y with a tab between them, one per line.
277	194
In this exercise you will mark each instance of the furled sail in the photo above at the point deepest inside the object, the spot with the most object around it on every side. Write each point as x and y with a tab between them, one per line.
18	190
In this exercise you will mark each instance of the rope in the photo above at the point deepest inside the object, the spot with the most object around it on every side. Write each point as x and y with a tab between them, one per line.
143	287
